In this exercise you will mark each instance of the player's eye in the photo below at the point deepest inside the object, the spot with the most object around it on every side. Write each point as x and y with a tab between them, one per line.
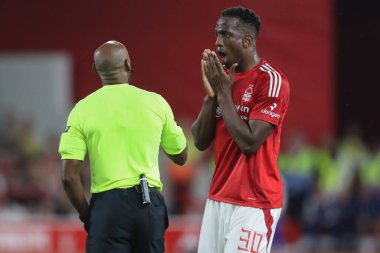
223	34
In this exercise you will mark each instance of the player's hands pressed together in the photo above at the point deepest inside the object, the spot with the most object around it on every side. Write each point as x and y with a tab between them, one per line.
248	137
206	83
214	76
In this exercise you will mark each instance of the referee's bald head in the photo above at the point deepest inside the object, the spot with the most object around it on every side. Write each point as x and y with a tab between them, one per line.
111	58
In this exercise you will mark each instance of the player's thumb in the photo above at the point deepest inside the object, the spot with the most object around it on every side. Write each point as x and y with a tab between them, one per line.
232	70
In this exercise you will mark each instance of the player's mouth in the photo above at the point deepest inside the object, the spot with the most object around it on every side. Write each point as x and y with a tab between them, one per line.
222	56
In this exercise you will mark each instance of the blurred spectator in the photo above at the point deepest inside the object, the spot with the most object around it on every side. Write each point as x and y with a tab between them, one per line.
297	165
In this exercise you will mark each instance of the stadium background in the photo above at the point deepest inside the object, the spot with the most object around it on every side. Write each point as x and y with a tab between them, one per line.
330	162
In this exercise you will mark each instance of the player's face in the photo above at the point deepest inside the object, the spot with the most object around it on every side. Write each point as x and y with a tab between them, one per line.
229	41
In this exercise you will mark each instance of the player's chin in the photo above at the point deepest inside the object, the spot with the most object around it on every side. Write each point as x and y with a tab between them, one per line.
222	59
226	65
226	62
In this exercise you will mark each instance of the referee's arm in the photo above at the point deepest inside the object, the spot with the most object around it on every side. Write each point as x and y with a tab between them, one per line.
73	186
173	140
180	158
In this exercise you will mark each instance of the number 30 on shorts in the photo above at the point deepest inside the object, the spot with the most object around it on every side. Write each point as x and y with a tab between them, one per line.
250	240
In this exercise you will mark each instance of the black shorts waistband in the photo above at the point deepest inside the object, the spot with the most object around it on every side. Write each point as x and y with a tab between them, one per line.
133	189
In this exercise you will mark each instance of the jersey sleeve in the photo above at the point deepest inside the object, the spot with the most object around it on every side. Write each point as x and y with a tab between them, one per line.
271	98
173	140
73	144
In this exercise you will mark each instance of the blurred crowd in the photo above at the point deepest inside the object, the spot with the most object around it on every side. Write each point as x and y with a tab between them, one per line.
29	171
332	194
332	190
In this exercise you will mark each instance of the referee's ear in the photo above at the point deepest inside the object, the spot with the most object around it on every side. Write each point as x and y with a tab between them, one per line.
94	68
128	66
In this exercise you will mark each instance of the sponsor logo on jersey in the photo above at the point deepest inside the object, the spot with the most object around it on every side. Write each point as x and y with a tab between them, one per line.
273	106
270	111
241	108
248	93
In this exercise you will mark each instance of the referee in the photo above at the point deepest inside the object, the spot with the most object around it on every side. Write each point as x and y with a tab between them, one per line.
122	128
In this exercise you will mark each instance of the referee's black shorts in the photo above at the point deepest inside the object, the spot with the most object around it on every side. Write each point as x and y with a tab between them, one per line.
120	223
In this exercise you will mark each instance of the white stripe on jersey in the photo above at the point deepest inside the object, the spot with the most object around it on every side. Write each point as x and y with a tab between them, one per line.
270	83
274	85
269	69
280	79
270	79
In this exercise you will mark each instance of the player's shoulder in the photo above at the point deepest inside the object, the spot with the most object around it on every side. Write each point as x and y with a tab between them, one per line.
272	79
267	69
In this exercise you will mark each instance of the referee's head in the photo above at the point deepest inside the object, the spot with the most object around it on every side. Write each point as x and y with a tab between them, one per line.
112	63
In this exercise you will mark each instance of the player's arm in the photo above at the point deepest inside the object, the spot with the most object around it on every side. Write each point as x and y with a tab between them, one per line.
248	137
203	129
73	186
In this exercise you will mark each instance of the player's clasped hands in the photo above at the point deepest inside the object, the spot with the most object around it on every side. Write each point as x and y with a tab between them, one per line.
215	79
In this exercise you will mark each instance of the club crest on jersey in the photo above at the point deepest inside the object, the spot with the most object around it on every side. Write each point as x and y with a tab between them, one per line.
218	112
248	93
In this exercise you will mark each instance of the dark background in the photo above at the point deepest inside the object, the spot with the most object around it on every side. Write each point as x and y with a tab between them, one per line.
358	54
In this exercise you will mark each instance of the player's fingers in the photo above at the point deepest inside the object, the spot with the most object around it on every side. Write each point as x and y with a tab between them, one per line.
217	63
203	67
206	65
205	53
210	92
212	62
232	70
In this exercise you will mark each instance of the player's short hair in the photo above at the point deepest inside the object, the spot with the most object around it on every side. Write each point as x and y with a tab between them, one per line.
250	21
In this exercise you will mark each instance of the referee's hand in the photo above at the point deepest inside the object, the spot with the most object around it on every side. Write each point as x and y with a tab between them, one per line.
85	219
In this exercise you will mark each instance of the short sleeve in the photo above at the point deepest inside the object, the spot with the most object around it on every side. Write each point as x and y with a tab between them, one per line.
173	140
73	144
271	98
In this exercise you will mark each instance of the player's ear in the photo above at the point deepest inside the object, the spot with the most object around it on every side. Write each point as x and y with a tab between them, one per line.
247	40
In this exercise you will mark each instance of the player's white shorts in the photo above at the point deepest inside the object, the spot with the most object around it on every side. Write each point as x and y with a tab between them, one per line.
228	228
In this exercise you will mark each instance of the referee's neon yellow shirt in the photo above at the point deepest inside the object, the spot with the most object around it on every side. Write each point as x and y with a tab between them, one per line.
122	128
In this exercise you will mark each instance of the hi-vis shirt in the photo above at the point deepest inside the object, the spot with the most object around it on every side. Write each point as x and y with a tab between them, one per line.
261	93
122	128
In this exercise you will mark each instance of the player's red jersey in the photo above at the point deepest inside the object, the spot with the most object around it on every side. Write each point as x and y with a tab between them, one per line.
261	93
